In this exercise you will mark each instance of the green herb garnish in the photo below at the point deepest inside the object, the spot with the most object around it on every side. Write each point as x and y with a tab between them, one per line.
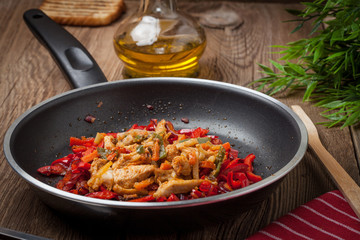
103	152
328	62
140	149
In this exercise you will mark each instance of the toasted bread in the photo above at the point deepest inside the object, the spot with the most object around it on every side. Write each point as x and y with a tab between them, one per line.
83	12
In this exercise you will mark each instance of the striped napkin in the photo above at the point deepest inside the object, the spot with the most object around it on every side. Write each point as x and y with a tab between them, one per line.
326	217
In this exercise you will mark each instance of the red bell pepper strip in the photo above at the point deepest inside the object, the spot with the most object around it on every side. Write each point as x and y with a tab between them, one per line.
69	181
83	166
194	133
199	132
45	170
185	131
78	149
221	177
74	191
233	183
224	164
205	186
82	187
174	135
208	188
233	154
161	199
204	172
56	169
65	161
227	146
83	142
249	160
152	125
104	194
237	180
239	167
80	166
196	194
172	198
253	177
74	165
148	198
233	163
172	138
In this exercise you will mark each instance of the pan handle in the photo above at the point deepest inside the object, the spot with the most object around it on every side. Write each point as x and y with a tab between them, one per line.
76	63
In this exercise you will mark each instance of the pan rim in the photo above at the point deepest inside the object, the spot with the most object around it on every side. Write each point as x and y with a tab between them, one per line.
158	205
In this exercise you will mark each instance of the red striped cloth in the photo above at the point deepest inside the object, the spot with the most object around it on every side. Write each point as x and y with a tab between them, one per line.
326	217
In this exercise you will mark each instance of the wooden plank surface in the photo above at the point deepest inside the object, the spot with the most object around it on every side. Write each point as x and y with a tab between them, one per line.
29	76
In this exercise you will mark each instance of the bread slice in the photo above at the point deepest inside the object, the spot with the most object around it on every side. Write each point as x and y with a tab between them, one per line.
83	12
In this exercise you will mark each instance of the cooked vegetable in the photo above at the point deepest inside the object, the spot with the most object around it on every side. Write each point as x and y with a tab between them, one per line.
219	160
152	163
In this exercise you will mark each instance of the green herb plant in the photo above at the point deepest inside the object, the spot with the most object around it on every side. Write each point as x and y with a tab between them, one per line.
326	65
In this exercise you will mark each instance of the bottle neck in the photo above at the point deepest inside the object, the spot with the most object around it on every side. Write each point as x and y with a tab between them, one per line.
158	7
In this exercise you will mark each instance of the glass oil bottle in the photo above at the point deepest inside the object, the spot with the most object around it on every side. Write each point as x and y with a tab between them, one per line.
159	41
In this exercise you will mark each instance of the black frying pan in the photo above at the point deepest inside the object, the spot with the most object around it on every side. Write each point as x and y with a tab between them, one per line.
253	122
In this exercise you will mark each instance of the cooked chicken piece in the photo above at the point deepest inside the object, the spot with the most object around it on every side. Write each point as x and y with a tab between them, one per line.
211	158
97	164
139	135
98	168
171	152
181	165
196	170
188	143
131	159
200	155
160	128
138	160
176	186
121	135
126	191
129	139
107	179
109	142
127	176
164	175
204	153
121	162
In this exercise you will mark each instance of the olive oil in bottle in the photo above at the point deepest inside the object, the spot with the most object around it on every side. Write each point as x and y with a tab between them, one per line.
159	42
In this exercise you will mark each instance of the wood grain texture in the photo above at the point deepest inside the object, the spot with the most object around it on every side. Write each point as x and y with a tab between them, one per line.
343	181
29	76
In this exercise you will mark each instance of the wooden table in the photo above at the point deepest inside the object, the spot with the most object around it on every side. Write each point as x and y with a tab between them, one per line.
29	76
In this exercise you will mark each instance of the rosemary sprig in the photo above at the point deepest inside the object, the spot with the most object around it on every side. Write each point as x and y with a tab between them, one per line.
326	65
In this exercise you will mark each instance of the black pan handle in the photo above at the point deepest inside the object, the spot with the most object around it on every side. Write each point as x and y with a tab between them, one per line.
76	63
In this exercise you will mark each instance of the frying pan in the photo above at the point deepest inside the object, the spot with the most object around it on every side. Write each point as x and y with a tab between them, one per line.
251	121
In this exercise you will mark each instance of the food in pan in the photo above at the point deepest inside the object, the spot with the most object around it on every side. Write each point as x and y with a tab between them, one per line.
152	163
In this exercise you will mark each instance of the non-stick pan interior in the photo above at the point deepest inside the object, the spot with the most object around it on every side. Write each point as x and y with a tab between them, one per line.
251	122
